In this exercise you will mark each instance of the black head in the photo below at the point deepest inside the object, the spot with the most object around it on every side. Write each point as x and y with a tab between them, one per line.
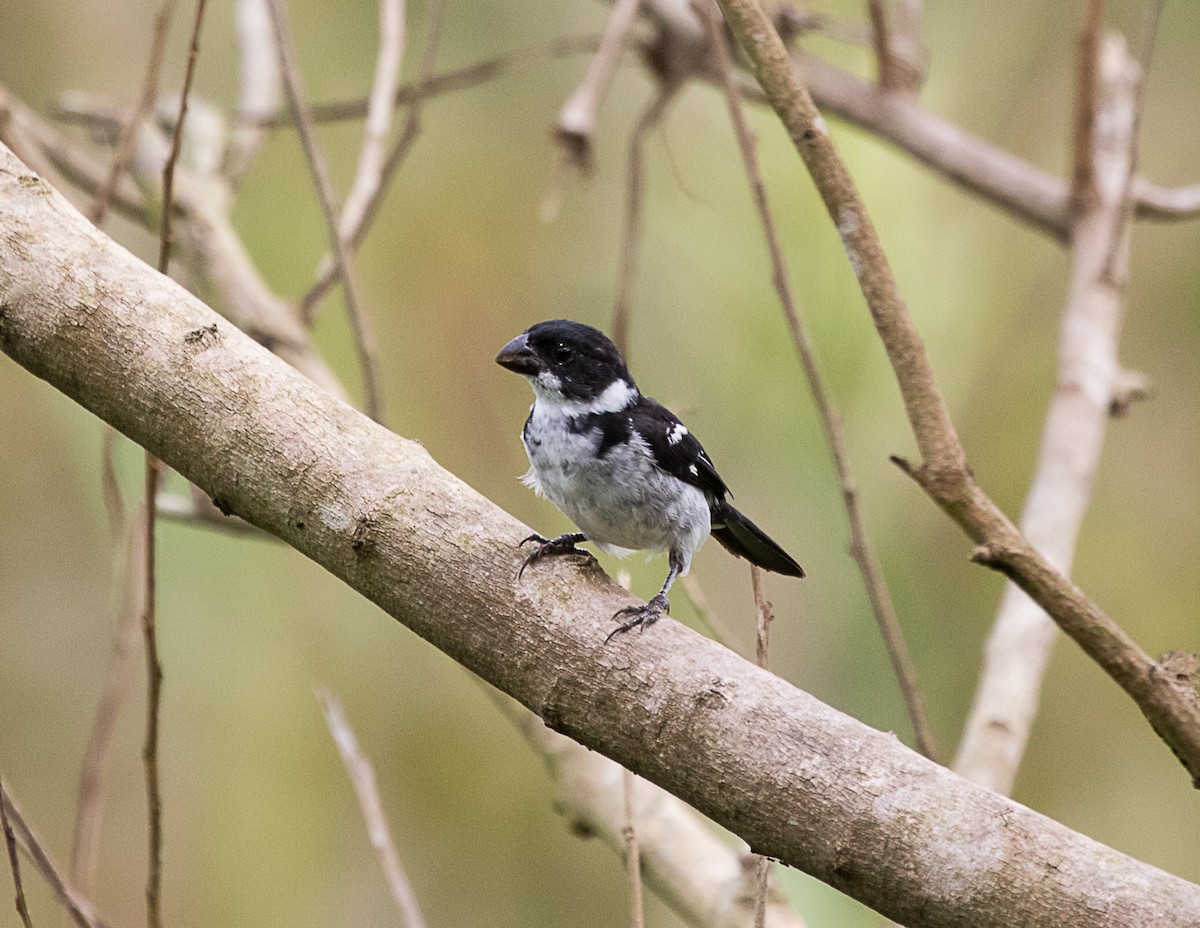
566	360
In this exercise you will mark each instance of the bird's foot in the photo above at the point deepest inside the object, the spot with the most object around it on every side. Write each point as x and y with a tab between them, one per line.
640	616
546	547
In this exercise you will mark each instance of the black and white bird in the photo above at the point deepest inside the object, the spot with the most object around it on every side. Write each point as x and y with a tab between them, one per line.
621	466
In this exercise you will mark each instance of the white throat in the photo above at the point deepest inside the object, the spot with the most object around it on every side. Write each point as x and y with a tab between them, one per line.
548	390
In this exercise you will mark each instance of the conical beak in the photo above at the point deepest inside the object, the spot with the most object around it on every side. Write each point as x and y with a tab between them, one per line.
519	357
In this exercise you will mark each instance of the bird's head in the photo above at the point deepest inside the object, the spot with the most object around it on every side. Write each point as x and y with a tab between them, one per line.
571	364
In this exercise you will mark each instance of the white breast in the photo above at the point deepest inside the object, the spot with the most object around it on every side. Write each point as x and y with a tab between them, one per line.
620	501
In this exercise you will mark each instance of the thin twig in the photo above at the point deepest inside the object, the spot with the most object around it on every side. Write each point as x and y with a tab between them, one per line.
716	626
127	142
354	233
154	672
1083	181
633	853
762	636
89	804
885	70
577	118
14	862
943	472
259	90
78	907
364	338
154	675
369	175
464	78
631	239
366	789
861	548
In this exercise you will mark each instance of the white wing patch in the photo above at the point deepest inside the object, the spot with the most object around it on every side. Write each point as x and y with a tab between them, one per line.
675	436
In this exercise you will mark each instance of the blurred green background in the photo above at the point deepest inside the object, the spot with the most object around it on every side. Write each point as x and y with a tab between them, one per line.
261	825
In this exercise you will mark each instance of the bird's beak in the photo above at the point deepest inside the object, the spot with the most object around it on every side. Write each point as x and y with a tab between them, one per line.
519	357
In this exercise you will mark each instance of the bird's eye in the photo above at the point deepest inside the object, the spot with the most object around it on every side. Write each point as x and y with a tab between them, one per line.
562	353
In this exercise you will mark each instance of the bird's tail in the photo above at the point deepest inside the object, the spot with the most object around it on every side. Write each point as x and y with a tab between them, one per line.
743	538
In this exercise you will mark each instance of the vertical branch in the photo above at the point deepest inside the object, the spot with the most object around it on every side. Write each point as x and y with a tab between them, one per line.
633	853
762	626
1089	384
154	671
154	677
369	176
631	240
89	806
860	545
355	228
577	119
885	69
366	789
1087	59
364	338
14	862
259	88
78	908
127	141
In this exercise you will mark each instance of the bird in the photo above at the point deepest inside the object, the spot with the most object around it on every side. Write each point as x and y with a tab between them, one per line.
620	465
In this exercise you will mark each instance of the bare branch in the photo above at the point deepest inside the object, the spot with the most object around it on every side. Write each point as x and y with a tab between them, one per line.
631	238
943	472
259	90
364	338
89	803
369	176
1089	379
129	132
362	778
577	118
798	780
14	862
354	233
77	906
861	548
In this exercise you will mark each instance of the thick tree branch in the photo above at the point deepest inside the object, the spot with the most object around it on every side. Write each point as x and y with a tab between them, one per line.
797	780
943	472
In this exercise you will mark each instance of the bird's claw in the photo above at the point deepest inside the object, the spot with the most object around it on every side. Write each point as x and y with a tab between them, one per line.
640	616
563	544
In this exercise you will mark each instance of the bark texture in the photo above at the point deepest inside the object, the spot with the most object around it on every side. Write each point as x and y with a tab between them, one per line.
798	780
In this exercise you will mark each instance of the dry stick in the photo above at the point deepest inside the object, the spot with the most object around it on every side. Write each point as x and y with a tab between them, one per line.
14	862
861	548
885	67
154	671
89	806
577	119
1087	63
369	176
127	141
629	832
762	625
259	90
633	853
364	339
1089	382
329	271
631	240
366	789
77	906
943	472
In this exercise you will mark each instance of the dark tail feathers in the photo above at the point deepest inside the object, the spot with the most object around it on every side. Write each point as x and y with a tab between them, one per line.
743	538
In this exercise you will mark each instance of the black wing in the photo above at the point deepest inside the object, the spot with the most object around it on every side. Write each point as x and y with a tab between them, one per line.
674	448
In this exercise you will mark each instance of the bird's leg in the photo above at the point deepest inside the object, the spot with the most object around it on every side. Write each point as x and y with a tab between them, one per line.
651	612
563	544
